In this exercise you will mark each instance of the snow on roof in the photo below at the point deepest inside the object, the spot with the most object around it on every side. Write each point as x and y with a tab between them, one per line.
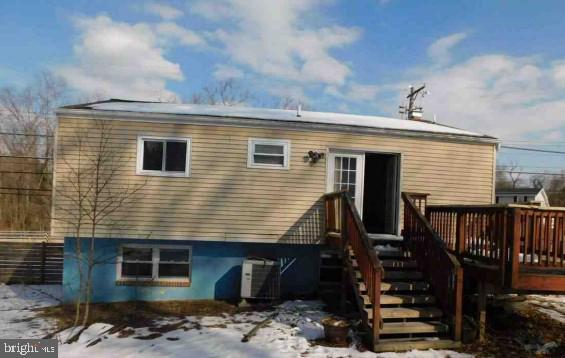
277	115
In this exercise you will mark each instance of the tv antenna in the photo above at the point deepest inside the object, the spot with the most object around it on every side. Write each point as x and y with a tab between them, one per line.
411	111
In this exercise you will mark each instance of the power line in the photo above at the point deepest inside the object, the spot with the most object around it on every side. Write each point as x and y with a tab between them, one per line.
27	135
31	189
533	149
530	173
24	157
26	194
16	172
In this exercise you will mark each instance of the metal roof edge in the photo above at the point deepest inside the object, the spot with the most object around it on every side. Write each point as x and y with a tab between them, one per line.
264	123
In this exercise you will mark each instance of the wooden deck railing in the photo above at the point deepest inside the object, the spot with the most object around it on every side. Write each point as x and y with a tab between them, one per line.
507	236
420	200
441	268
354	236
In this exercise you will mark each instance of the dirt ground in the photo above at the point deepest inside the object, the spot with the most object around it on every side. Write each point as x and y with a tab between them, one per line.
516	329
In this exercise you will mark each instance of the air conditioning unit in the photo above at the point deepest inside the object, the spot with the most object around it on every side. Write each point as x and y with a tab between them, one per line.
260	278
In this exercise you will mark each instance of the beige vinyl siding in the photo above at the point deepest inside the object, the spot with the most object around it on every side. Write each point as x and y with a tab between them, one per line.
223	199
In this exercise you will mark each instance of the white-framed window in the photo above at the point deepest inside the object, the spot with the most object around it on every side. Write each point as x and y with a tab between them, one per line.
140	262
268	153
163	156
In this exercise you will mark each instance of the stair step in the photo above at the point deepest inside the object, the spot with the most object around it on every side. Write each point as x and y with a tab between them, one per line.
404	264
412	312
404	286
393	253
413	327
402	275
407	299
406	312
399	344
401	300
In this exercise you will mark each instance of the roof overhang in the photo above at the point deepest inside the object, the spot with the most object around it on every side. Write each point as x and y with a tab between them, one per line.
264	123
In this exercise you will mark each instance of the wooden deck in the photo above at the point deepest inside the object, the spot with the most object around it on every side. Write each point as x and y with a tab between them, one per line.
513	247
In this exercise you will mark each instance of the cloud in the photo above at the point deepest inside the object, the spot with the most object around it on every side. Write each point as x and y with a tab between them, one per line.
440	51
273	38
118	59
558	73
184	36
355	92
225	72
165	11
510	97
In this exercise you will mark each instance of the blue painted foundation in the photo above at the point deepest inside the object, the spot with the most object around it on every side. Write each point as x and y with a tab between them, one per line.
216	270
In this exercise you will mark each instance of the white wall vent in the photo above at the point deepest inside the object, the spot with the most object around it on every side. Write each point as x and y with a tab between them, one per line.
260	278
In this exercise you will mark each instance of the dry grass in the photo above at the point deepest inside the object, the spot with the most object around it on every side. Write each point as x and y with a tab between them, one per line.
139	314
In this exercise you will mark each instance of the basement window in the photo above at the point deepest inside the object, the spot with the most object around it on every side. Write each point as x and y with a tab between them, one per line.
163	156
154	265
268	153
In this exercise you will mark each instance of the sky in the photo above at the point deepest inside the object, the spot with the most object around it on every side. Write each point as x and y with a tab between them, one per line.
495	67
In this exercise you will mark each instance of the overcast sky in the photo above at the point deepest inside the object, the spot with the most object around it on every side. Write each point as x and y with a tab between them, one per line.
496	67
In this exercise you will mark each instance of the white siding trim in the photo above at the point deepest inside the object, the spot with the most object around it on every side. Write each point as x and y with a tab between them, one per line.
139	161
251	151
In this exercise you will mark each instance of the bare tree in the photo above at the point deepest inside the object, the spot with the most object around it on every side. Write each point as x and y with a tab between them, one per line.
27	124
508	176
90	194
226	93
289	102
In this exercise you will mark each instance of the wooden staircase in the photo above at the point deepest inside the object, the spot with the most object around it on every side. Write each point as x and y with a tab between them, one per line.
410	316
396	299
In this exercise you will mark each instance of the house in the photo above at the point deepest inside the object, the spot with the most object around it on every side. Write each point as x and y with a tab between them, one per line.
534	196
224	183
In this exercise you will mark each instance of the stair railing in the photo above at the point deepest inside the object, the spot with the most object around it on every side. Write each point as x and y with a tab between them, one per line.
347	222
441	268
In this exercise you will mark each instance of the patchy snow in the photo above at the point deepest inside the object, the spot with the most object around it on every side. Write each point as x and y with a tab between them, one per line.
17	304
293	328
551	305
281	115
387	247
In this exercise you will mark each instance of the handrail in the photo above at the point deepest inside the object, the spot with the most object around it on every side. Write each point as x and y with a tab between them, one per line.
354	236
440	267
507	236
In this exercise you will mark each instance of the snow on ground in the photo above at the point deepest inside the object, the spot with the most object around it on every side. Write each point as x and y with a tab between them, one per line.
17	316
551	305
293	327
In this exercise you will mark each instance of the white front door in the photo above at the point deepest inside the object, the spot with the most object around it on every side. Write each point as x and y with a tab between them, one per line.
345	172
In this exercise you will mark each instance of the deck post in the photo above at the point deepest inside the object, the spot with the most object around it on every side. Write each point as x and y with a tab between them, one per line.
481	310
514	234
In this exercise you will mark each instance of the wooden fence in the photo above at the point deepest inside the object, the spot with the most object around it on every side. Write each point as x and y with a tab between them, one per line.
31	262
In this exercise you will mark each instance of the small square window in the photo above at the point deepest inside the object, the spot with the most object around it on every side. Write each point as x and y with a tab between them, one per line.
163	156
268	153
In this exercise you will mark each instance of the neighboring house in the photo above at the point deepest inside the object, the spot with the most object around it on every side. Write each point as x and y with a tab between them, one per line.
225	183
533	196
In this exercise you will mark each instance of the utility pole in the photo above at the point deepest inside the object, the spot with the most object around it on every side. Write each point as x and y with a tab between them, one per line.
411	111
